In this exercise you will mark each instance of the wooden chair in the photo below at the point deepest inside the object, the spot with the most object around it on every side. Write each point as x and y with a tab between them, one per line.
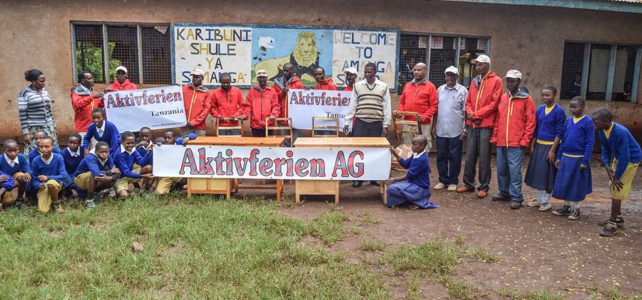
239	127
325	127
398	124
276	129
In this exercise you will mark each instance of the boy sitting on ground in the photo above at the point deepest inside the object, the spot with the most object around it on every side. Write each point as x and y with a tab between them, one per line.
48	172
125	157
96	172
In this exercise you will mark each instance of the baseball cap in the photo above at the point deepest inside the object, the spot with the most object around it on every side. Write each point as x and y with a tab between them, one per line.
514	74
198	72
452	69
351	70
261	73
121	68
482	58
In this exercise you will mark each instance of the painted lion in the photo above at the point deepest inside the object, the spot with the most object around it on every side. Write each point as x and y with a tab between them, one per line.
304	57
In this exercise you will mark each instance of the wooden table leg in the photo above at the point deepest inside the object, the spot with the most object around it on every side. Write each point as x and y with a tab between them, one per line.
279	189
384	192
189	189
336	192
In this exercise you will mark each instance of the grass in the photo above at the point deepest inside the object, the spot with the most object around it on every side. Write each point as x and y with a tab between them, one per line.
371	245
532	295
195	248
329	227
432	258
484	255
460	290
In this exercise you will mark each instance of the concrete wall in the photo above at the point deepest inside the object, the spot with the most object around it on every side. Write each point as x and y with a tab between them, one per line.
36	34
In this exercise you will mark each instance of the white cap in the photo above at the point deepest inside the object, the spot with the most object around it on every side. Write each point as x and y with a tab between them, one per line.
514	74
121	68
452	69
482	58
351	70
261	73
198	72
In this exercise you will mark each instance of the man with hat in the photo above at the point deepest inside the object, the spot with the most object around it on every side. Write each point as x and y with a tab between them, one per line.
512	134
261	102
351	78
450	123
481	106
121	83
198	101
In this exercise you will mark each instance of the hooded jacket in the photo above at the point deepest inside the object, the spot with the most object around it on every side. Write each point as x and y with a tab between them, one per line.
261	104
419	97
198	102
515	120
483	98
83	103
227	104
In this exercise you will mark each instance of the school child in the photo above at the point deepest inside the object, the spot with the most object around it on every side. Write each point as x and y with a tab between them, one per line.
144	138
16	166
34	152
573	180
7	191
96	172
48	172
414	188
541	171
102	131
513	131
163	185
621	152
73	155
124	158
170	137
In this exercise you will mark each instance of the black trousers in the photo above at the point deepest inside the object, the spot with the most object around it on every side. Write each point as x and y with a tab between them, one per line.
478	146
365	129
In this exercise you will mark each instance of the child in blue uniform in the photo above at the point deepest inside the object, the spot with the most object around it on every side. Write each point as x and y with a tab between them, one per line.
125	157
144	138
7	195
621	152
73	154
541	171
102	131
39	135
48	172
414	188
96	172
15	165
573	179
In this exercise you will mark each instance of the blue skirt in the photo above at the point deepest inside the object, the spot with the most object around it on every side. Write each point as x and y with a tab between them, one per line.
571	184
406	192
540	174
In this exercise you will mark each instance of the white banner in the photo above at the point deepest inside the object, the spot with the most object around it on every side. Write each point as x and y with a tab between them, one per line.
272	163
156	108
305	104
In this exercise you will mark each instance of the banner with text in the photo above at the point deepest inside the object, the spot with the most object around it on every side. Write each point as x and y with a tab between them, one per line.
305	104
156	108
272	163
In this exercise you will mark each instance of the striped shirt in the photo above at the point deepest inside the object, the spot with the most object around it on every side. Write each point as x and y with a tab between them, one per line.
370	103
34	108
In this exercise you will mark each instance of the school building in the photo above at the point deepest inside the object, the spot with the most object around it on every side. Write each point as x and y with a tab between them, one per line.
591	48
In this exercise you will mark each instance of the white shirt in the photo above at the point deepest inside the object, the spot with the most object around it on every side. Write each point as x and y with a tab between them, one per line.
451	116
352	108
48	161
74	154
122	149
415	155
101	129
11	162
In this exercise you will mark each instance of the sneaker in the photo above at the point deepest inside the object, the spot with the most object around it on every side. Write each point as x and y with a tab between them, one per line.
534	203
464	189
374	182
482	194
356	183
452	187
90	203
20	203
515	204
544	207
439	186
58	208
563	210
619	221
500	197
413	206
575	214
609	230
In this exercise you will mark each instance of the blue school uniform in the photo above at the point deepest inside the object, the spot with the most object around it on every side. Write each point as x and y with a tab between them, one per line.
92	164
54	170
417	188
110	135
7	185
22	165
540	174
619	145
571	184
73	159
125	162
35	153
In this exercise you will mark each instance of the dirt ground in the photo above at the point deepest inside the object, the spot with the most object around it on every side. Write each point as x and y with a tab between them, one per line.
537	250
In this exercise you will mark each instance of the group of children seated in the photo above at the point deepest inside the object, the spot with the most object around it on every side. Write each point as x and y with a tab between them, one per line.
103	159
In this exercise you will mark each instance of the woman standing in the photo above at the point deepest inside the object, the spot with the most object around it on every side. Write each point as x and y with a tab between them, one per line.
34	105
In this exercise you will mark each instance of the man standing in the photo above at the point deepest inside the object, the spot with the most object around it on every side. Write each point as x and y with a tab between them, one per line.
449	129
351	78
419	96
261	103
370	107
227	104
122	82
198	102
481	107
323	83
84	99
282	86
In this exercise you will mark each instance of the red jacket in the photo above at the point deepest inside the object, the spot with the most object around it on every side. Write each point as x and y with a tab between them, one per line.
420	98
227	104
83	103
261	104
293	83
327	85
515	121
127	85
197	105
482	102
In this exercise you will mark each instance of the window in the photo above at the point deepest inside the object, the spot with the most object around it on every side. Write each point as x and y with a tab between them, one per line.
143	49
601	71
439	52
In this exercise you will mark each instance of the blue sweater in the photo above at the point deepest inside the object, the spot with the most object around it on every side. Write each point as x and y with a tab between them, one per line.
92	164
578	139
35	153
22	165
620	145
418	170
71	163
55	170
7	185
111	136
549	126
125	162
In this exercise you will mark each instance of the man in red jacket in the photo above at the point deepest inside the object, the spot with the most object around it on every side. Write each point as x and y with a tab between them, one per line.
323	83
481	106
282	86
512	134
420	96
261	102
227	104
84	99
198	102
122	82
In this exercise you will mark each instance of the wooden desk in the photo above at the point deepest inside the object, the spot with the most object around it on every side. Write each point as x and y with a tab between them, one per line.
225	186
331	187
